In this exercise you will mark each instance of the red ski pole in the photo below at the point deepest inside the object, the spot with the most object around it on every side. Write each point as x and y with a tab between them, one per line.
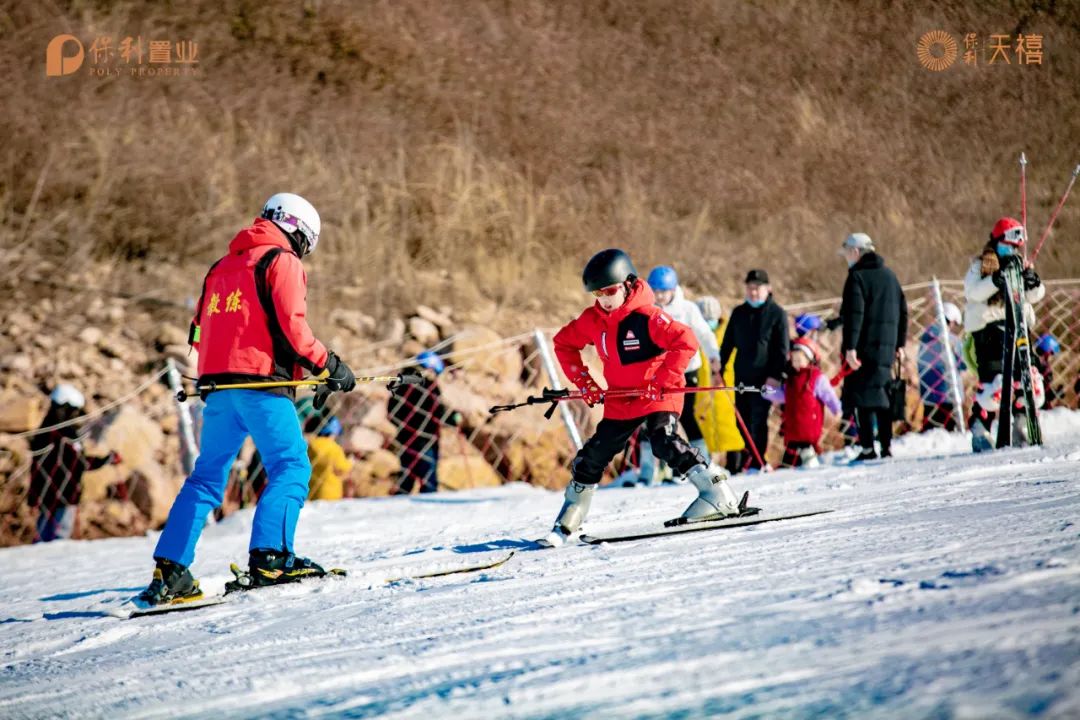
1023	193
1053	217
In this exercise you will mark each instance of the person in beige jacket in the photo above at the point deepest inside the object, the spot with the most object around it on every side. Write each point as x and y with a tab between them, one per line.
984	319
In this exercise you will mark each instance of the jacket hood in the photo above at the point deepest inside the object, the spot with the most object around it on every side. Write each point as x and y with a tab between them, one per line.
870	260
641	295
260	233
677	299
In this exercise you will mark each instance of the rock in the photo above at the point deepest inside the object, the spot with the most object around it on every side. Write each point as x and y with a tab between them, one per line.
363	440
19	363
456	395
395	332
353	320
481	349
134	435
153	493
425	331
19	413
460	472
90	336
411	348
171	335
109	518
440	319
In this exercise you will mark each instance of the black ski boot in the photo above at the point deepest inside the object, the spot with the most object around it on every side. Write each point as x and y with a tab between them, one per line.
172	583
274	567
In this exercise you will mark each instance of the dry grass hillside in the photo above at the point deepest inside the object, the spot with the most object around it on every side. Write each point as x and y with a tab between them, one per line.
476	153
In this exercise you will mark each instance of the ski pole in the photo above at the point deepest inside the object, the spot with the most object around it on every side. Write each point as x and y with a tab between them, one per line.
392	380
557	396
1053	217
1023	193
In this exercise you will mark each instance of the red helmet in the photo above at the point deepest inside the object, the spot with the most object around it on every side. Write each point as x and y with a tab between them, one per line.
1009	231
805	344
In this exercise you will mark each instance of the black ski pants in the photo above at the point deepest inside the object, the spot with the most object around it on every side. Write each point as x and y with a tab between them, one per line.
610	438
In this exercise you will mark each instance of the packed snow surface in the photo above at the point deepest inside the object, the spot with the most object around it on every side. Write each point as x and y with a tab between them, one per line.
945	584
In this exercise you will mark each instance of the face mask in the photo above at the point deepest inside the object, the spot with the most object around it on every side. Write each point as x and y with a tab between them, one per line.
851	263
755	303
713	324
1004	250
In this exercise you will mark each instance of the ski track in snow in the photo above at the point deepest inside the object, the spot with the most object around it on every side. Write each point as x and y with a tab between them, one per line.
944	585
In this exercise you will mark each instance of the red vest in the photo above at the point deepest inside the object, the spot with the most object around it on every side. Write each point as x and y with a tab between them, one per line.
804	414
251	319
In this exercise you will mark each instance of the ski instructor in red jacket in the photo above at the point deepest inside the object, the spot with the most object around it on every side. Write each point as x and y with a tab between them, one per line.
250	326
641	348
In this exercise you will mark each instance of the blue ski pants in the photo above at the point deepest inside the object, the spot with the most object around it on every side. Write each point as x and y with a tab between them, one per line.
229	417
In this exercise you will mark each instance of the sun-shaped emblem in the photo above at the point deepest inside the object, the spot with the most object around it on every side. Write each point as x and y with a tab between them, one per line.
937	50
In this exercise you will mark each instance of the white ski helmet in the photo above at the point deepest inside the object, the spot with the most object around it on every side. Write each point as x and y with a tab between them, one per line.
64	394
293	213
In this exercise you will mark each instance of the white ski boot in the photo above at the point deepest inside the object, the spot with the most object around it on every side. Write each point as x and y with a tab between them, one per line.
578	499
808	458
715	497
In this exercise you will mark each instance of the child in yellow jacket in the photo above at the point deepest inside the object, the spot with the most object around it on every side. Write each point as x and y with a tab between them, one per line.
329	464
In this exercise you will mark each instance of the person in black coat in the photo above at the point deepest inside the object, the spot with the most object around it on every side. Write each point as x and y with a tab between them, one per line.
57	465
418	413
758	330
874	315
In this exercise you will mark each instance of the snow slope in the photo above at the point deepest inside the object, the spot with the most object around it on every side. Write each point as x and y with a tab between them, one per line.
944	585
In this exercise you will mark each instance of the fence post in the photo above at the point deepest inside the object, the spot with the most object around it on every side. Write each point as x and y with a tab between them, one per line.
950	358
553	378
188	449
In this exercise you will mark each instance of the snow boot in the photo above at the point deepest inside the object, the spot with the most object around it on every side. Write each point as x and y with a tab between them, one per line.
714	495
980	439
277	567
172	583
808	458
576	506
866	454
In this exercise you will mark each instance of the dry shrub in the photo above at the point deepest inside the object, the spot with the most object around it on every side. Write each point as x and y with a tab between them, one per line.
481	151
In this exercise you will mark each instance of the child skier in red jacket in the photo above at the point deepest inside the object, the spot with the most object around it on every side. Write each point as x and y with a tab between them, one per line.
805	395
641	348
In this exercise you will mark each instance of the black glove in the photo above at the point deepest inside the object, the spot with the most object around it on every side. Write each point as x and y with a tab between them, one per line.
341	378
1031	279
998	279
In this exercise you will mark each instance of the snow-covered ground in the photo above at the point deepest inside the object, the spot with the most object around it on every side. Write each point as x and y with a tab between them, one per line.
944	585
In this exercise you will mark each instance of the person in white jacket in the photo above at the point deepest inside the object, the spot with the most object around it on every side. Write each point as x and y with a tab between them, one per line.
670	298
984	319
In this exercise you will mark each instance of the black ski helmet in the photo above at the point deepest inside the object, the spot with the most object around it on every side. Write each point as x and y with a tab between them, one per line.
606	268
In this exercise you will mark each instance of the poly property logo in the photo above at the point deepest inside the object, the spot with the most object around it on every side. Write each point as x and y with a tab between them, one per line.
131	56
938	50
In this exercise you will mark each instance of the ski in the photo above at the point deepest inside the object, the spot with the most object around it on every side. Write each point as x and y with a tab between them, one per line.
133	608
477	567
692	527
1016	363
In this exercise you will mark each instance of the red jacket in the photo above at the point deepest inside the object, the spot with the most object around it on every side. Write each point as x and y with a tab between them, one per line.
638	342
804	415
250	321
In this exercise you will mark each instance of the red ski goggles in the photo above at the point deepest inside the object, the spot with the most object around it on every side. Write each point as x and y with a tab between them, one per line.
606	292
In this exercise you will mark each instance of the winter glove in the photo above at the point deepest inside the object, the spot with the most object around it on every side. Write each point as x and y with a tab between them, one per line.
590	391
1031	278
341	378
653	392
